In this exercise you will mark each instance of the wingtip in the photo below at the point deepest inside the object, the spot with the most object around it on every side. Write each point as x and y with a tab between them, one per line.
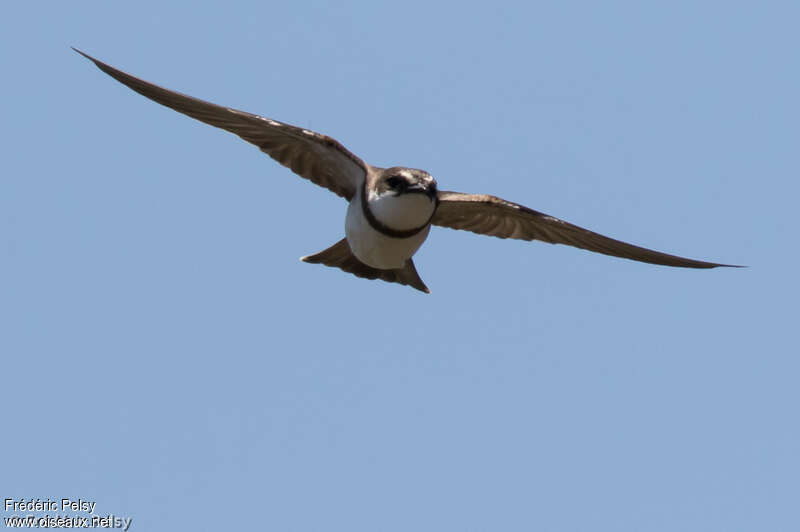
87	56
84	54
97	62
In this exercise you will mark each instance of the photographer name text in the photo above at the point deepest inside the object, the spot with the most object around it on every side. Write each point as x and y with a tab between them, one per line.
49	505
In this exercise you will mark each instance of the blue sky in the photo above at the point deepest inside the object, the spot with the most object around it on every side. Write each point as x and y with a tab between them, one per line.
166	355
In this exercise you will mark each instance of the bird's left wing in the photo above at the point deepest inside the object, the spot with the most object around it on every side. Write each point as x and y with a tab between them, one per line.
493	216
316	157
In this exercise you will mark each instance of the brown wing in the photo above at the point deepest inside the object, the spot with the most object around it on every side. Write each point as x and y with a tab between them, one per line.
311	155
493	216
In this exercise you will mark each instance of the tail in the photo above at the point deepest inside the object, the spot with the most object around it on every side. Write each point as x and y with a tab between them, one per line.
340	256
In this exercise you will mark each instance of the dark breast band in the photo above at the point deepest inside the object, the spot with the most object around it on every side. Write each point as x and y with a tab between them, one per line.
385	229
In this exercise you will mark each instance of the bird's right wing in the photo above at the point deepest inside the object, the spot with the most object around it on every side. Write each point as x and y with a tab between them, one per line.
493	216
317	157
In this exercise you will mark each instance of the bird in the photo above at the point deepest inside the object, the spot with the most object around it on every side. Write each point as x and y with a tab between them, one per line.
390	210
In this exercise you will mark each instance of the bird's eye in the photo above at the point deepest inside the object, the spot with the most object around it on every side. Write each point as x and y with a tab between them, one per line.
395	182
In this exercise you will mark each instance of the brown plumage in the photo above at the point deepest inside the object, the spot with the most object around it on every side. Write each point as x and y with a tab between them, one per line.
327	163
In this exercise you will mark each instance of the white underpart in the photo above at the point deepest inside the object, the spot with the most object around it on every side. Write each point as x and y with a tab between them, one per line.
375	249
403	212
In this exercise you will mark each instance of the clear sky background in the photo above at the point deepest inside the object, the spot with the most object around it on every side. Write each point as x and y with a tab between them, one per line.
165	354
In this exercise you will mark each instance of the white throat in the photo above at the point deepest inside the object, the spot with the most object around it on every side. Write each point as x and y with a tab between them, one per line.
376	249
403	212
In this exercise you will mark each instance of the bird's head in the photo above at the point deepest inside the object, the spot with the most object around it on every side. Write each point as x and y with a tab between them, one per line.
403	198
398	181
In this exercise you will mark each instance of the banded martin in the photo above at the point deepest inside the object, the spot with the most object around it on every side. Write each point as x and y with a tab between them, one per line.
390	210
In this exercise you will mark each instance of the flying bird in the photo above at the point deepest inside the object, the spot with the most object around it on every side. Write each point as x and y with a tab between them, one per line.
390	210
